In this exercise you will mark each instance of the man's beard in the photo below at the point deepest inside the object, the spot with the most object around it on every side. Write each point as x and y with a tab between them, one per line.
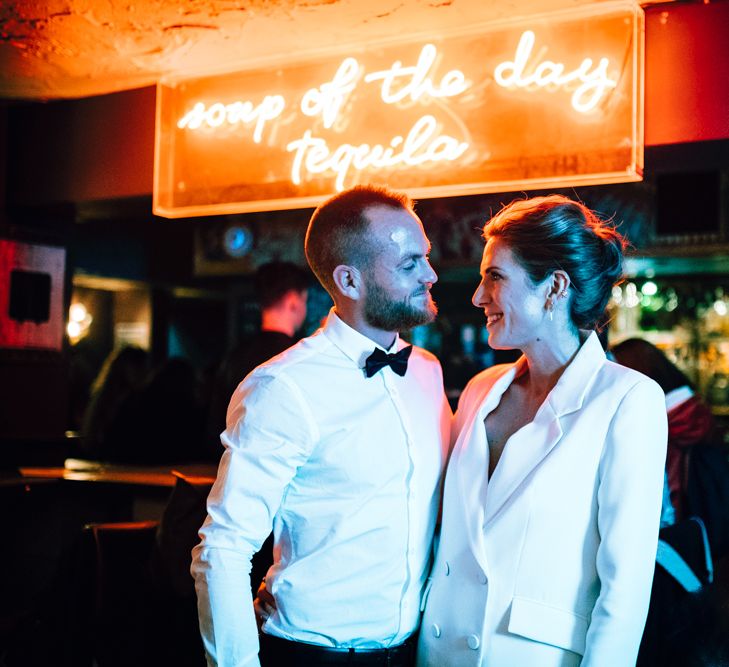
384	313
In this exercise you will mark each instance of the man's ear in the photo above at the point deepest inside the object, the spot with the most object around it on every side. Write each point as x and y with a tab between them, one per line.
348	282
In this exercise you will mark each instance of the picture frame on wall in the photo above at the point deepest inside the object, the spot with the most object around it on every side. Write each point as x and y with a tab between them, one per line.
31	295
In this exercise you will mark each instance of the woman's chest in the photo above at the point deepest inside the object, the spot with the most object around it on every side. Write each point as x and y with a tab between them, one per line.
512	414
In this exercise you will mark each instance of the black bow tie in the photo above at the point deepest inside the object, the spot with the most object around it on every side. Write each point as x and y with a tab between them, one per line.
379	359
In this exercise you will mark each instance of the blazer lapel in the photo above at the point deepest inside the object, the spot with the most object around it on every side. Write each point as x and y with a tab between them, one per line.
529	446
471	473
525	450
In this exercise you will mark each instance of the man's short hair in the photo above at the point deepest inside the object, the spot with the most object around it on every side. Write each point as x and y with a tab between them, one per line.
274	280
337	232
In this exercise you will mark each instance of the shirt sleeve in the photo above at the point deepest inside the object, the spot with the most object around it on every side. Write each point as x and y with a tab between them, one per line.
629	508
269	435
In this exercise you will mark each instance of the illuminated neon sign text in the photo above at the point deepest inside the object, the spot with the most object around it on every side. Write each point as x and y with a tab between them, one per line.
399	84
236	112
421	145
513	105
594	82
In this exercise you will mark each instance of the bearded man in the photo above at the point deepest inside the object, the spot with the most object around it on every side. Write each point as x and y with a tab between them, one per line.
339	444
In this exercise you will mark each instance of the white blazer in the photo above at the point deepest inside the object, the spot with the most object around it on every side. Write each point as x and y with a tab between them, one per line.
550	562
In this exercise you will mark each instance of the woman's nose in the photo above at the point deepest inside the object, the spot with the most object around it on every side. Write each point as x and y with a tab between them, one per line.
479	296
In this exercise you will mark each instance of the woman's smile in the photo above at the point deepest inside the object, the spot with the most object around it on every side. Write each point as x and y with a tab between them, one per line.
493	318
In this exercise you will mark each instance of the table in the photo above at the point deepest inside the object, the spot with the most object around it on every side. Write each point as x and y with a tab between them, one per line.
145	488
79	470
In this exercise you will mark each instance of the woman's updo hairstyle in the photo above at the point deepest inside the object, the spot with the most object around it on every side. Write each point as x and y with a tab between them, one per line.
554	232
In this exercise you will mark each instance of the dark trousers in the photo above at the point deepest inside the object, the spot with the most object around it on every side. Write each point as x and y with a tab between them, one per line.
277	652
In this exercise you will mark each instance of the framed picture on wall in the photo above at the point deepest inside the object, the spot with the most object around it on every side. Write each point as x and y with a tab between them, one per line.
31	295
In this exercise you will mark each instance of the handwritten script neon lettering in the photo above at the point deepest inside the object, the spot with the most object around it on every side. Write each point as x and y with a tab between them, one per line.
453	83
403	86
237	112
592	84
328	98
313	155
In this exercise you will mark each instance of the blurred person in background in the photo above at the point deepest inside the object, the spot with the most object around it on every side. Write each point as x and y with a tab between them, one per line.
281	290
161	421
689	616
690	422
122	372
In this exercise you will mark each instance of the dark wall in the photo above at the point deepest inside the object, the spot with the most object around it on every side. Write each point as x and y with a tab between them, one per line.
82	150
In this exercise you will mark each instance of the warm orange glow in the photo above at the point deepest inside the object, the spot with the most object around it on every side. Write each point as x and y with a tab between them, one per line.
235	112
553	101
417	80
593	82
79	321
327	99
421	145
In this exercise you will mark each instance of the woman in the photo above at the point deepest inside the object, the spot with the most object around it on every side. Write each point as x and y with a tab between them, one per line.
690	422
685	628
553	490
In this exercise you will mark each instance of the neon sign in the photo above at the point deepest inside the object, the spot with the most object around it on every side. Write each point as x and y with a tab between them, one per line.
235	112
421	145
498	108
419	84
593	84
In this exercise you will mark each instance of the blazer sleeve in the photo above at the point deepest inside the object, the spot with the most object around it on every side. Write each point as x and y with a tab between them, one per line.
629	507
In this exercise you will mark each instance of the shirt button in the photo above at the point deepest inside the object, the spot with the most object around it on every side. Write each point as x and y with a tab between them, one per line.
436	630
482	578
473	642
447	568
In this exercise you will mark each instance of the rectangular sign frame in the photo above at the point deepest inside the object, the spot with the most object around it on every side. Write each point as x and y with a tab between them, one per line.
553	100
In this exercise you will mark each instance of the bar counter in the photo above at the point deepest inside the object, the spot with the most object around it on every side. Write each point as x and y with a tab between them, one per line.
78	470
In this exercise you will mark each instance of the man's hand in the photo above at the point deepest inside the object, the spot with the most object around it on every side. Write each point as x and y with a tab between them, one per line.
264	605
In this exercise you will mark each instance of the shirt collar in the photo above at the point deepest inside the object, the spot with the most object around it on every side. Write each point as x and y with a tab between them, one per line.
352	343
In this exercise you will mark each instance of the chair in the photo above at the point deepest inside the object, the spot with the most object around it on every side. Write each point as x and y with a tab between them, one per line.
142	593
177	534
122	624
178	635
47	592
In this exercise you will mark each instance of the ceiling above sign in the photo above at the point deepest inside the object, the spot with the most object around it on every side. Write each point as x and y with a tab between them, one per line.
556	100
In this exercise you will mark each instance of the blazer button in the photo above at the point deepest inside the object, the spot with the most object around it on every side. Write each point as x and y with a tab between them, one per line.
473	642
482	578
447	568
436	630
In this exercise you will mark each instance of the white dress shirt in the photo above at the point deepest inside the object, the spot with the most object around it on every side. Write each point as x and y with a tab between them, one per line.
347	469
